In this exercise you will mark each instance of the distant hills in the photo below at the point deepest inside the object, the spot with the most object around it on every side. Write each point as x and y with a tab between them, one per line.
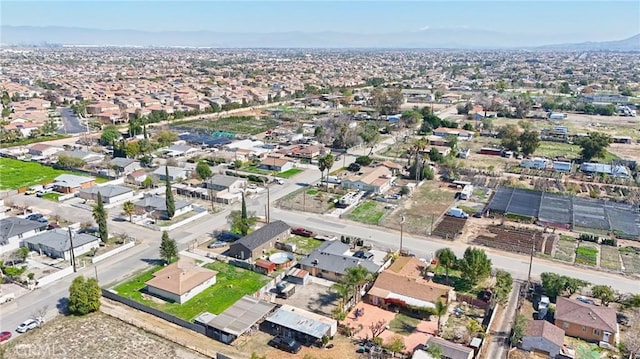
452	38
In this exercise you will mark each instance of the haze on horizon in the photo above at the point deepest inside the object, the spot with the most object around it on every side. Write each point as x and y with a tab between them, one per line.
558	21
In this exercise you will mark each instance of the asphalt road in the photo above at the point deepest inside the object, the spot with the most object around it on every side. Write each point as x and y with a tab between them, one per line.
71	122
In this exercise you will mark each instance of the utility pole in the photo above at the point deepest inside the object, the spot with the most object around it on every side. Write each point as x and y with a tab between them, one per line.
73	255
268	211
533	248
401	231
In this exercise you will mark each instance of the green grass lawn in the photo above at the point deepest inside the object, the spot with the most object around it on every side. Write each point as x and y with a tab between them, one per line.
289	173
586	255
51	196
232	283
312	192
16	174
304	244
403	324
553	149
369	212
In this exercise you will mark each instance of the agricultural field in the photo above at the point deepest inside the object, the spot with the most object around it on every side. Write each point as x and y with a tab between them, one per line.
16	174
369	212
231	284
587	253
449	227
94	336
609	257
631	259
565	250
242	125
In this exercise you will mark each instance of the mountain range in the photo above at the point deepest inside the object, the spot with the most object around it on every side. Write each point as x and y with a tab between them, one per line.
452	38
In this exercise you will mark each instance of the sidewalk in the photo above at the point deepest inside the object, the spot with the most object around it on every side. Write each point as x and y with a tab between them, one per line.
160	327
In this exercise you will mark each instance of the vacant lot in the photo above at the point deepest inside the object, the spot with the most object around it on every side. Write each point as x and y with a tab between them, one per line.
565	250
313	200
587	254
609	257
369	212
304	245
631	259
246	125
232	283
16	174
94	336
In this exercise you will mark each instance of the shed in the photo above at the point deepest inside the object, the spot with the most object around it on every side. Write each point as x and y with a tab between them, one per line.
302	325
298	276
264	266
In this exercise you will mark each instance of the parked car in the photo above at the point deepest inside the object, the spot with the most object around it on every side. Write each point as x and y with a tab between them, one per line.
35	216
217	244
622	319
279	181
302	232
28	325
354	167
4	336
286	344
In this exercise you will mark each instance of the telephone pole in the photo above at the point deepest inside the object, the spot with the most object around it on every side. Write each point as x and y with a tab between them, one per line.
533	249
401	230
73	255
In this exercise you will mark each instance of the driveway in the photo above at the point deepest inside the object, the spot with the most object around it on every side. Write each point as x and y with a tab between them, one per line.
70	122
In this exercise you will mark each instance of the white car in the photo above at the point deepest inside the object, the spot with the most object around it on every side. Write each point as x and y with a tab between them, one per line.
28	325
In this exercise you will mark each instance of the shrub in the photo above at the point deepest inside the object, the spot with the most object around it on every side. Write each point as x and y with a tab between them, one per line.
364	160
610	242
589	238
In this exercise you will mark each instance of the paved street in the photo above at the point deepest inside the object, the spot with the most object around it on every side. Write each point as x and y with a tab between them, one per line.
70	122
497	345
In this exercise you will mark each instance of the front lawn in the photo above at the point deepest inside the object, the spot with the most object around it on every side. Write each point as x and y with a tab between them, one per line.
369	212
403	324
232	283
289	173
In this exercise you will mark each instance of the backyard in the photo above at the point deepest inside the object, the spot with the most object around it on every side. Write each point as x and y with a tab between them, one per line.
232	283
304	245
369	212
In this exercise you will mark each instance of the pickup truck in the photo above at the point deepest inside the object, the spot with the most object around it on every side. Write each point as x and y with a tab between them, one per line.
302	232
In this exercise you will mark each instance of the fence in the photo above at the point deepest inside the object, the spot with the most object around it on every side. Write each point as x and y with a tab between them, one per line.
110	253
200	212
478	303
162	315
54	276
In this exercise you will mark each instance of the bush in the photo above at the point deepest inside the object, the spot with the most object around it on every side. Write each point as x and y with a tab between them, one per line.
589	238
610	242
364	160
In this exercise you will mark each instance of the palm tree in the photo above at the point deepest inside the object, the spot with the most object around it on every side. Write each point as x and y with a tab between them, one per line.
328	163
343	291
356	277
447	258
440	310
129	209
322	165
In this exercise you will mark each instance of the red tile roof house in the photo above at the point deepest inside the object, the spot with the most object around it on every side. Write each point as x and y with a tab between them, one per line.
585	321
542	337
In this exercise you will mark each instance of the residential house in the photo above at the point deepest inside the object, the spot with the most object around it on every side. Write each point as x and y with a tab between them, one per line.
256	243
181	281
136	177
156	206
43	150
306	152
57	244
605	169
437	140
395	168
125	166
332	259
175	173
403	284
587	321
86	156
371	179
13	230
110	193
463	135
450	350
542	337
277	164
180	150
224	182
66	183
306	327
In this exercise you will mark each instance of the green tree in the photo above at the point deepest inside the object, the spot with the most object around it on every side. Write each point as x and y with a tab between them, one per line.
603	292
593	145
318	131
168	248
395	344
203	170
129	209
84	296
504	283
132	149
370	135
49	127
165	138
100	216
552	283
109	135
475	265
387	101
435	350
357	277
573	285
447	259
509	137
518	328
169	200
529	142
6	99
564	88
67	162
435	155
241	221
440	310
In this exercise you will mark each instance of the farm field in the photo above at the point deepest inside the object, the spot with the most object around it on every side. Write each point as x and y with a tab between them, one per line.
609	257
587	254
107	338
565	250
631	259
231	284
16	174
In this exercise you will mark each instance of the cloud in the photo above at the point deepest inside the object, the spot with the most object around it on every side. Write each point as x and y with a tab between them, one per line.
424	28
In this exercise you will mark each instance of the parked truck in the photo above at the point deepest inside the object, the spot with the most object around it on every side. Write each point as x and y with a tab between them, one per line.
458	213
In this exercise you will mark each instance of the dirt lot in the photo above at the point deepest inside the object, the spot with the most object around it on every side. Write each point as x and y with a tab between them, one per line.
311	199
258	343
93	336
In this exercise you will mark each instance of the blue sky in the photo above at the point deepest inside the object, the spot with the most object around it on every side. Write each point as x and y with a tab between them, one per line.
575	20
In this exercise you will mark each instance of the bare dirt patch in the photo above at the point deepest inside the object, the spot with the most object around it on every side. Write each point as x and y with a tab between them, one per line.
311	199
93	336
